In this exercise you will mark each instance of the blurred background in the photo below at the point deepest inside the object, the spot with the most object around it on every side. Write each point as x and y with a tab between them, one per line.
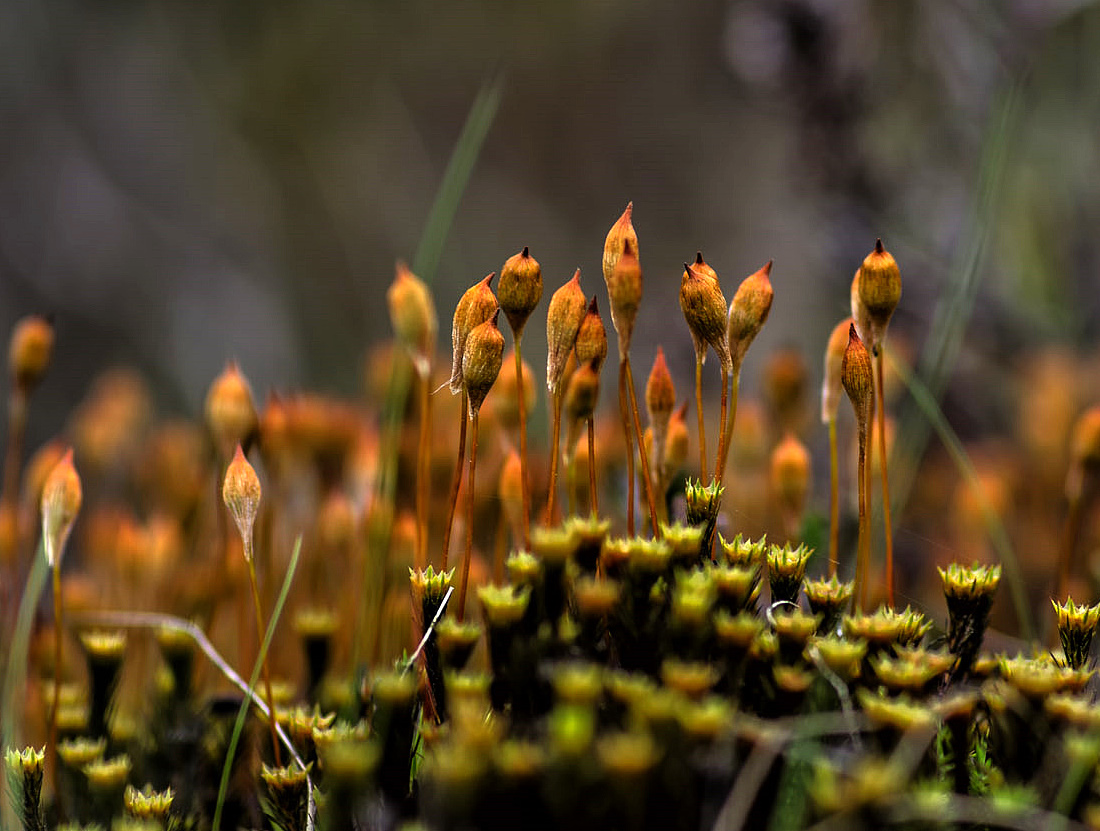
184	182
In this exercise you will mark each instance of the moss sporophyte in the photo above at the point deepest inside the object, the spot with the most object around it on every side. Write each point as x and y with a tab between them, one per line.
636	655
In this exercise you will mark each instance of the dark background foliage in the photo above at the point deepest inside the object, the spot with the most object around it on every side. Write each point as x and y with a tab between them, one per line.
182	182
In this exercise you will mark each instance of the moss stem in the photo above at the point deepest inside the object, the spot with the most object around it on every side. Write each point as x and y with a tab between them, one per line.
642	454
731	416
525	490
456	482
834	500
423	462
555	441
263	664
593	502
59	629
702	424
887	528
719	461
863	552
628	437
468	553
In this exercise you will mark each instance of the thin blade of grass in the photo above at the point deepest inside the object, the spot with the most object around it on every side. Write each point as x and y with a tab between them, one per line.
926	402
20	645
955	306
428	252
16	675
238	726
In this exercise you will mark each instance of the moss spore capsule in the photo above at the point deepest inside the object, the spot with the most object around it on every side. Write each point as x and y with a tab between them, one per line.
519	289
879	291
481	361
476	306
563	321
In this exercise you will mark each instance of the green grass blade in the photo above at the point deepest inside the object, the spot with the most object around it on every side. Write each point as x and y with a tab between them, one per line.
945	333
455	178
428	253
430	249
15	678
16	675
926	402
238	726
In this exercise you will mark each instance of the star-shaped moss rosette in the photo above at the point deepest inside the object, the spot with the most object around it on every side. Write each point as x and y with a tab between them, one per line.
841	656
148	805
969	593
912	671
738	587
735	633
786	570
828	598
647	559
288	792
1037	678
693	597
524	568
703	504
503	606
741	551
430	586
684	540
914	626
1076	627
880	628
590	533
456	642
595	598
24	772
899	714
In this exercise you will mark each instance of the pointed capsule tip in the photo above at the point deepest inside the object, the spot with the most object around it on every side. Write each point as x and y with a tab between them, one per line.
576	277
878	246
526	252
698	257
592	308
489	277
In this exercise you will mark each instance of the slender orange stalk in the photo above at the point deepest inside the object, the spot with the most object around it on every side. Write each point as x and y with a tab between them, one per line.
834	500
481	360
885	482
642	454
592	498
423	472
525	488
241	493
456	482
699	411
467	554
628	435
555	440
263	665
59	630
863	552
857	377
720	460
